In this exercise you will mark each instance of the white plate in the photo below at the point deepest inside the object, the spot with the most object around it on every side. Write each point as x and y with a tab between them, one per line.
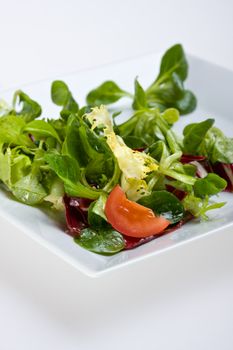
213	87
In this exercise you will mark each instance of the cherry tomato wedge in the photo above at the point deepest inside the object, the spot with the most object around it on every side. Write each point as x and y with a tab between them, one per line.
131	218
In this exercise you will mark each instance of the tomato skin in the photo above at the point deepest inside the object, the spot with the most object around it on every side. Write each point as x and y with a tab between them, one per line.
131	218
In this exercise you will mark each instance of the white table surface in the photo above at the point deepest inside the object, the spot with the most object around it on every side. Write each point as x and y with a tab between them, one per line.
182	299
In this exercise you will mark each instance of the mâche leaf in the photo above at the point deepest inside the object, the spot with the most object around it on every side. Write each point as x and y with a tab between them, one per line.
61	96
198	207
187	103
194	135
105	241
139	101
168	89
209	185
164	203
60	93
107	93
218	147
171	115
67	169
30	109
173	61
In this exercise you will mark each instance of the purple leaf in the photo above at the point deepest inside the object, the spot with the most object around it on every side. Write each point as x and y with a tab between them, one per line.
76	214
226	172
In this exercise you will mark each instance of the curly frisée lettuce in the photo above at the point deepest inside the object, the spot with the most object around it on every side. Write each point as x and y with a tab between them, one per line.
135	166
119	185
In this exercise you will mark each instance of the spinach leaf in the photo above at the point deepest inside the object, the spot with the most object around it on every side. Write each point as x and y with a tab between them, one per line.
30	109
164	203
104	241
62	96
209	185
194	135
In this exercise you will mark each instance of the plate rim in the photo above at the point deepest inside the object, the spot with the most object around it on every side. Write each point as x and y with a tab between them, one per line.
64	255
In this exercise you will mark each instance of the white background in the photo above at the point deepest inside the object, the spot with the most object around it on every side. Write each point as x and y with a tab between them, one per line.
180	300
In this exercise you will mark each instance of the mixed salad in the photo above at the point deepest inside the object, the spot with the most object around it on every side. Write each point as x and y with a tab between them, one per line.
119	184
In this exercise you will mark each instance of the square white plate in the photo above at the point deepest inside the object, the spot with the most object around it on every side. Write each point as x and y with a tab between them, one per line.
213	88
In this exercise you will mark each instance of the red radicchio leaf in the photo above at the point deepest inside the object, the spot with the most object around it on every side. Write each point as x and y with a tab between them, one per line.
222	169
201	162
76	219
226	172
180	194
76	214
187	158
140	149
31	137
133	242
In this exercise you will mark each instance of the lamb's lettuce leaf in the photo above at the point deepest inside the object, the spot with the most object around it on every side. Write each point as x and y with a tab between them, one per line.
164	203
194	135
107	93
61	96
29	110
198	207
209	185
67	169
167	90
218	147
105	241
